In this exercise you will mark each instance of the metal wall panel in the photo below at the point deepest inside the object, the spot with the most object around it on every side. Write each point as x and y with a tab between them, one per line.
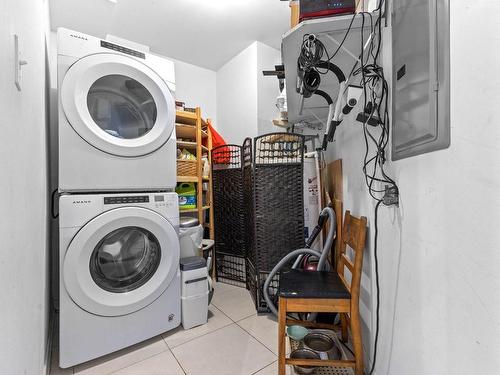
421	88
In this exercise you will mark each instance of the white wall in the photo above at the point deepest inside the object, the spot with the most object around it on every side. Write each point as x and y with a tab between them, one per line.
237	97
23	181
267	88
196	87
245	98
439	256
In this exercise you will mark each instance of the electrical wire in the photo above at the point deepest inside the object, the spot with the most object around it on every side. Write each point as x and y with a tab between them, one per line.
377	281
375	92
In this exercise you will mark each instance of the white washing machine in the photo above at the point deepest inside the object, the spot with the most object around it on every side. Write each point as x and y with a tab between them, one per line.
119	272
116	117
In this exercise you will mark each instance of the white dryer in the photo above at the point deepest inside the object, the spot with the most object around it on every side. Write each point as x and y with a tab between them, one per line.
119	272
116	117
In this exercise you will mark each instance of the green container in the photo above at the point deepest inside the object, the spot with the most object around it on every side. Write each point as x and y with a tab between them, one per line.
187	195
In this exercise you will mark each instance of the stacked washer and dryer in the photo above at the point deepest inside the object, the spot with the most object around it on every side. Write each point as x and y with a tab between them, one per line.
119	217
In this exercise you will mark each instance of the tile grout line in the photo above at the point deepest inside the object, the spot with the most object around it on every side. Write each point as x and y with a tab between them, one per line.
136	363
269	365
243	328
142	360
234	321
182	368
197	337
204	334
256	339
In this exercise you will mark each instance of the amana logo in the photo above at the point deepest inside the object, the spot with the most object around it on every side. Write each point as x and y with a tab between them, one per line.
81	202
78	36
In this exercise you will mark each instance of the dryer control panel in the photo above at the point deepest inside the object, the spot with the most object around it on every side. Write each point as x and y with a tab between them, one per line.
128	51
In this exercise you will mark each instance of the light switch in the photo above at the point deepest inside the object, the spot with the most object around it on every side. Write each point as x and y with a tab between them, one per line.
18	62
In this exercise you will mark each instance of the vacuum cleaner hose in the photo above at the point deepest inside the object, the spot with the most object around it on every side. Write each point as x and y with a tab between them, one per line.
322	264
275	270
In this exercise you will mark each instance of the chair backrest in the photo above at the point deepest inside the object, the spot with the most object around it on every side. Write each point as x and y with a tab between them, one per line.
338	208
353	236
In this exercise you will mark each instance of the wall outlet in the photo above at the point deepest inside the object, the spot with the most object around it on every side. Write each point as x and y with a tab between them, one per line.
391	196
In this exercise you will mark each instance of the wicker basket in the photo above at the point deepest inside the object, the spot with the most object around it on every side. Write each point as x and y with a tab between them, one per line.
187	168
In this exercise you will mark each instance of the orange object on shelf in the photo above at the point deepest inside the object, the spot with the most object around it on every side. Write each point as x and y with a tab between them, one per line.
217	141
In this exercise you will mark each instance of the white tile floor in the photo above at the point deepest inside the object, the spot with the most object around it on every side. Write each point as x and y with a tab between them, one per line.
235	341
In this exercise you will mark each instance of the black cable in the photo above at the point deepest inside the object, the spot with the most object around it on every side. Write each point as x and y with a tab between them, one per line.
377	324
376	92
344	39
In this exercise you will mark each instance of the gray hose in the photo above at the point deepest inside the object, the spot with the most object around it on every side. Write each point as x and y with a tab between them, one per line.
323	256
281	263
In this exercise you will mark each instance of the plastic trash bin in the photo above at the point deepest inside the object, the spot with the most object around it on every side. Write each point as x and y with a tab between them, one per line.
194	291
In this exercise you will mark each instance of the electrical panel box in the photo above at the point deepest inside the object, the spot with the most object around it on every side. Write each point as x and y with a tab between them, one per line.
421	77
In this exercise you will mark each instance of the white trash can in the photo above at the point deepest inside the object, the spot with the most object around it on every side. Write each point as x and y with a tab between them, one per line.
190	237
194	291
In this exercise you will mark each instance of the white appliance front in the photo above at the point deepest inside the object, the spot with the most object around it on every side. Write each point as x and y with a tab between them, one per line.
116	118
120	280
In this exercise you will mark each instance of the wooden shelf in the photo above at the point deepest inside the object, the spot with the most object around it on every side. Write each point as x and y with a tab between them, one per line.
187	179
188	118
187	144
191	145
191	179
204	208
192	130
281	124
188	131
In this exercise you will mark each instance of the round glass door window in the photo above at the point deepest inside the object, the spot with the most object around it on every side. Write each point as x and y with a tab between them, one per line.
121	106
125	259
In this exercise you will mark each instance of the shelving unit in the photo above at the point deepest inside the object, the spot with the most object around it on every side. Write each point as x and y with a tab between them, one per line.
192	130
331	32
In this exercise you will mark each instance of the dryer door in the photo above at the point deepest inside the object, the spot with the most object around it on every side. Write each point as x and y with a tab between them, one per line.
121	261
118	104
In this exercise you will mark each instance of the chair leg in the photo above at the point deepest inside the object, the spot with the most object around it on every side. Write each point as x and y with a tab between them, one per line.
356	341
343	324
281	336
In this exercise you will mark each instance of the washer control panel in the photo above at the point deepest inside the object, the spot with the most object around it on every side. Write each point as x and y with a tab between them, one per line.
127	199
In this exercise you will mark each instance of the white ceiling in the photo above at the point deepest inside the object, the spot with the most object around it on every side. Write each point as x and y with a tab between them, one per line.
207	33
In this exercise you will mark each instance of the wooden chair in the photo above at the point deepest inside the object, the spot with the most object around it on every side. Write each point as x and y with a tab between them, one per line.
330	292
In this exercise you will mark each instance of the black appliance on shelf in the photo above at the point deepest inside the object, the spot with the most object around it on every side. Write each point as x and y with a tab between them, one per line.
325	8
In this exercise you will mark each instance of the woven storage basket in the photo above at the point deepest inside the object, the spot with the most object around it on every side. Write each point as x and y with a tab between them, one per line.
229	215
187	168
278	207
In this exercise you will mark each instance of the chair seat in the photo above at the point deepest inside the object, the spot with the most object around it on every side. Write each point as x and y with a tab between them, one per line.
310	284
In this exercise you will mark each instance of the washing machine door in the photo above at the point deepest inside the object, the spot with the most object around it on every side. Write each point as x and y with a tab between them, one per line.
121	261
118	104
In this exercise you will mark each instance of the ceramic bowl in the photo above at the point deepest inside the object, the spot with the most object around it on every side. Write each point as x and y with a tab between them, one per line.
297	333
